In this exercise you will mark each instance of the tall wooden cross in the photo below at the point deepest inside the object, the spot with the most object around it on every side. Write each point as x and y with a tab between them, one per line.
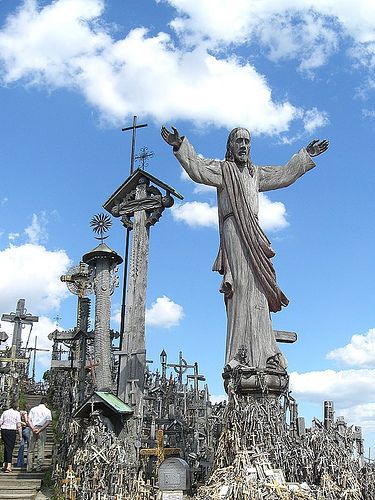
160	452
19	318
133	128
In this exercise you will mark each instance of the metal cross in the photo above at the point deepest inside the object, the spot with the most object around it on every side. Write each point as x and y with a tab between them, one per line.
143	155
133	128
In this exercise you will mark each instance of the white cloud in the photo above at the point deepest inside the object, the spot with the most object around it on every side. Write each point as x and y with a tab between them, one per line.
65	44
116	316
203	189
13	236
36	231
363	415
164	313
4	201
352	392
359	352
272	214
346	388
281	28
32	272
196	214
314	119
368	113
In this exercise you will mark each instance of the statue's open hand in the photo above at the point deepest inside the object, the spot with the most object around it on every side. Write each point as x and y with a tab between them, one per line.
317	147
172	138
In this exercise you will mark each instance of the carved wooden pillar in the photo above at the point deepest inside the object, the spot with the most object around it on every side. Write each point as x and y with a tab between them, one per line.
104	261
133	344
138	199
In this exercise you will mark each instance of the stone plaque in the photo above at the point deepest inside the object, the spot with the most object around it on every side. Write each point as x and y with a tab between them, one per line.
174	475
172	495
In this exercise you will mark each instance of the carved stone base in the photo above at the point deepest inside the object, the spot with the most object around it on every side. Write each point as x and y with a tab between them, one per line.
253	381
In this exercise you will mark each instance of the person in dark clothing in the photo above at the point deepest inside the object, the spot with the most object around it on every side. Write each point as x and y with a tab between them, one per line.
10	424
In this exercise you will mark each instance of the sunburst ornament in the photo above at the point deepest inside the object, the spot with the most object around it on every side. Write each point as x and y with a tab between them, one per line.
100	224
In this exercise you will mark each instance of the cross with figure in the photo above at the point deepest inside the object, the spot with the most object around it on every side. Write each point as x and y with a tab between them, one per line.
244	259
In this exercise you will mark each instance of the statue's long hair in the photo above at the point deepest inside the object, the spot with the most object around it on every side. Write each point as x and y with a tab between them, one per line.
230	141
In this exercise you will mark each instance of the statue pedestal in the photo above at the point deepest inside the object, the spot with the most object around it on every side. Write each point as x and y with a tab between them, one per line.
248	380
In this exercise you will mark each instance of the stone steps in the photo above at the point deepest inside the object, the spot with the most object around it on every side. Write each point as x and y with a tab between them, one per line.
20	485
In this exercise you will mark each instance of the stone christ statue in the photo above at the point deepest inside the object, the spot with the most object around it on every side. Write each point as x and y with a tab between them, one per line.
244	259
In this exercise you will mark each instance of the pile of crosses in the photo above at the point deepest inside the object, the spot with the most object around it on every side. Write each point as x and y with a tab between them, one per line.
183	410
177	420
15	360
261	456
100	464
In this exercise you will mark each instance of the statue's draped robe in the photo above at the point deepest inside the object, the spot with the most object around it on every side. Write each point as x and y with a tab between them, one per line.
249	281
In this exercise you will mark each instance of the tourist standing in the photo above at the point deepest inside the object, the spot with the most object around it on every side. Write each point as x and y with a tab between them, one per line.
40	418
10	424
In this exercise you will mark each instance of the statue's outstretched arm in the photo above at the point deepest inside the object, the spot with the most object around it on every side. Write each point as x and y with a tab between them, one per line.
172	138
199	169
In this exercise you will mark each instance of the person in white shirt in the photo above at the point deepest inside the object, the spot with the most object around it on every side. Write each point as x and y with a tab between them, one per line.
40	418
10	424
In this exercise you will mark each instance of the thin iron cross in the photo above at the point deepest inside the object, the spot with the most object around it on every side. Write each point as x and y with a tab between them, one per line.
133	128
143	156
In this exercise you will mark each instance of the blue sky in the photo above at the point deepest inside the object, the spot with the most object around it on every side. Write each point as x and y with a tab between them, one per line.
73	72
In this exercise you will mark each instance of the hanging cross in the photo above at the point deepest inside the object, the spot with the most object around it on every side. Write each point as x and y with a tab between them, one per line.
160	452
143	156
133	128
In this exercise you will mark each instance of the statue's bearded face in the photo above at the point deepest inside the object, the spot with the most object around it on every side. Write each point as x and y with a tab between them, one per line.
241	147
